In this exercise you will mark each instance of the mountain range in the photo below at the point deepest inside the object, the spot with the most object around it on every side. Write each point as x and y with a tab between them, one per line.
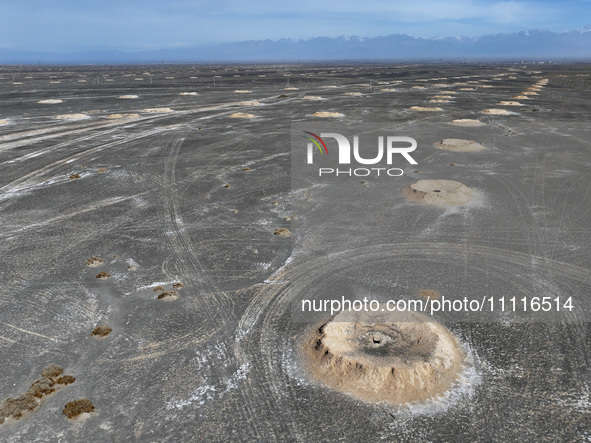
525	45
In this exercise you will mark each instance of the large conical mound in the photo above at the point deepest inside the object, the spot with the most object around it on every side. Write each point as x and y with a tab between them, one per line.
407	358
439	192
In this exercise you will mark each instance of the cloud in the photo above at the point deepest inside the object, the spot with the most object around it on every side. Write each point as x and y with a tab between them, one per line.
135	24
406	11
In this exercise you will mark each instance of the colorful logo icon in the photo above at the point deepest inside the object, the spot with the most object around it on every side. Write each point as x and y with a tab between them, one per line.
316	142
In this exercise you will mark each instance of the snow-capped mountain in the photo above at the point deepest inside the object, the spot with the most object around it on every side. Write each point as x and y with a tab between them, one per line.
524	45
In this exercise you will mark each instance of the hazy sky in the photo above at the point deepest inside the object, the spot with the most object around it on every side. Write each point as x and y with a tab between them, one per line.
153	24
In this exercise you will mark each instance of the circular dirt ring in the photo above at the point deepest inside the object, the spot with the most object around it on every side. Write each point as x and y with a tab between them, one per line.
459	145
275	334
241	115
467	122
407	359
327	114
496	112
425	109
439	192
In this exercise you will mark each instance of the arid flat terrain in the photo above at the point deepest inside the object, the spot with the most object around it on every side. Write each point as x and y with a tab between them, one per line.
156	237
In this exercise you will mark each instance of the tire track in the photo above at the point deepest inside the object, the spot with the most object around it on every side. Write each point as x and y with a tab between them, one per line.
49	168
267	329
214	308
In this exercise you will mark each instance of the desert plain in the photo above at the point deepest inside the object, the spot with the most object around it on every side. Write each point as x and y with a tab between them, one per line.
155	240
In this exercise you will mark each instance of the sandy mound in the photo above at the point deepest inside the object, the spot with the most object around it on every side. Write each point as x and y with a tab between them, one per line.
459	145
128	97
101	331
509	103
466	122
242	91
529	93
51	380
168	296
389	90
403	358
77	407
250	103
438	100
4	122
424	109
311	97
103	275
521	97
282	232
495	111
94	262
241	115
466	89
418	87
189	93
72	116
327	114
291	89
353	93
443	96
157	110
438	192
50	101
